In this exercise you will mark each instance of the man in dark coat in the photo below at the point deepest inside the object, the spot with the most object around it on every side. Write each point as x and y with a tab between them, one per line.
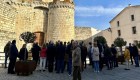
114	52
89	53
50	56
13	57
60	57
100	58
7	51
107	54
83	55
136	55
69	51
131	53
66	64
23	52
35	52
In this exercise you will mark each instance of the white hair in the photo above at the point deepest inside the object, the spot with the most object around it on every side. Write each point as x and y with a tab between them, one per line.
51	42
75	42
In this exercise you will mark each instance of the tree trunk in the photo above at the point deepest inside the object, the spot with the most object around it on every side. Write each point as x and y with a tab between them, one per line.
25	52
121	51
121	55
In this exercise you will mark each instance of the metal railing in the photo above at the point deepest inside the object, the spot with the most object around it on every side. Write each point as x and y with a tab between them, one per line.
2	58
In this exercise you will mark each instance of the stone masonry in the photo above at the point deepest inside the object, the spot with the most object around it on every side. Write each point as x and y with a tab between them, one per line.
49	19
7	24
61	21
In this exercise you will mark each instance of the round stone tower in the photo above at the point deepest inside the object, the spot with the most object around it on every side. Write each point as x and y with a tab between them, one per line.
61	21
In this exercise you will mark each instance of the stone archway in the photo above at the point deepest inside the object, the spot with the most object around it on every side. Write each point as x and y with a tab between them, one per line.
40	38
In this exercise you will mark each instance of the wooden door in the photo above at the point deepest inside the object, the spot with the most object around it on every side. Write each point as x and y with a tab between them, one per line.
40	38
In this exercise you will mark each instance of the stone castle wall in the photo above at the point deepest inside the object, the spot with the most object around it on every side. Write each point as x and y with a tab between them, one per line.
86	34
60	21
7	24
82	33
55	20
29	19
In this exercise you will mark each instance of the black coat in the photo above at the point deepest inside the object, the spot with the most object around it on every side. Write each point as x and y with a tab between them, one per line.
83	53
69	50
131	50
35	51
107	52
114	51
51	51
13	51
60	52
135	51
100	48
22	54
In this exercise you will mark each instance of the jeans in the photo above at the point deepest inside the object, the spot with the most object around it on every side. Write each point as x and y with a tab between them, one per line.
66	63
6	56
60	65
42	62
109	63
137	61
96	66
70	65
114	61
90	58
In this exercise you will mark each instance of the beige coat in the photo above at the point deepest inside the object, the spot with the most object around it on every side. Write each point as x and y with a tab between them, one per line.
76	56
95	53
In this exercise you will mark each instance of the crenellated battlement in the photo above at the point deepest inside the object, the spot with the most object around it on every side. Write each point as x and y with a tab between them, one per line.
21	4
61	4
33	4
40	4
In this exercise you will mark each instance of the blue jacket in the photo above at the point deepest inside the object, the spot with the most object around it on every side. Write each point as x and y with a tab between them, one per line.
13	51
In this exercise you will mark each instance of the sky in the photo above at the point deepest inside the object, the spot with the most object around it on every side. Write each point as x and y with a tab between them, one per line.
98	13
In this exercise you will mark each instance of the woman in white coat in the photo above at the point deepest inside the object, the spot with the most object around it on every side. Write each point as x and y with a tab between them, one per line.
95	57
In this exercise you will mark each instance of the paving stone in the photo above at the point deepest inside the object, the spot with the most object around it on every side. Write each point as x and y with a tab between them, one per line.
88	74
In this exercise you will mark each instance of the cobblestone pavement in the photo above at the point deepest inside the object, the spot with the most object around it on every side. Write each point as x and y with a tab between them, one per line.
115	74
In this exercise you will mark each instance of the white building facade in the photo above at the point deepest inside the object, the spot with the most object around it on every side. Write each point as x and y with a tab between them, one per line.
125	25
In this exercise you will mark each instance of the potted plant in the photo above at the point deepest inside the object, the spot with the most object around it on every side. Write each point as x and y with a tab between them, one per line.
26	66
119	42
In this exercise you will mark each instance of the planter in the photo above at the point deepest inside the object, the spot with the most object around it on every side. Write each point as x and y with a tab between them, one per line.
120	59
25	67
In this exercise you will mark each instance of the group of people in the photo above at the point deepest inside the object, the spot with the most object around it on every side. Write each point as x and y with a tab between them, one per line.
72	54
100	54
131	52
58	56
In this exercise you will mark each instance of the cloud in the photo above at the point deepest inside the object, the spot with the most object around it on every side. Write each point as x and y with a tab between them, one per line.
97	11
